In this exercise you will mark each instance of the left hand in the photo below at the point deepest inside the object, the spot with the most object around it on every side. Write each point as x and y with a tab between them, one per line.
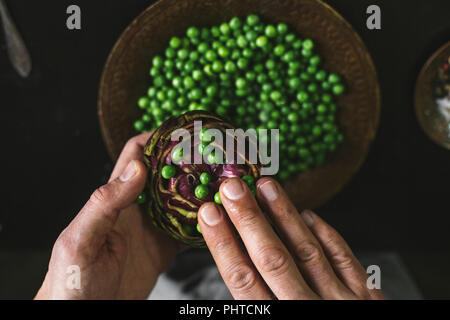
119	254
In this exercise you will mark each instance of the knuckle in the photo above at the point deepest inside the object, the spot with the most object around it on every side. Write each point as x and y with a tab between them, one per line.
241	278
66	245
62	244
342	259
246	217
131	143
69	246
102	195
223	245
273	260
308	252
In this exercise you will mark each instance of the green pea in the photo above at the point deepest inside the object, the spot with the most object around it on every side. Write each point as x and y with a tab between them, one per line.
308	44
205	135
314	60
217	198
270	31
338	89
192	32
142	198
317	130
221	111
275	95
146	118
157	61
217	66
326	86
321	75
241	41
211	91
292	117
197	75
303	153
143	102
202	47
223	52
294	83
252	19
290	37
241	83
215	31
306	53
282	28
195	94
212	159
177	154
322	108
242	63
139	125
312	87
210	55
327	98
297	44
168	172
157	112
201	191
302	96
188	83
261	41
225	28
182	54
205	178
235	23
201	148
333	78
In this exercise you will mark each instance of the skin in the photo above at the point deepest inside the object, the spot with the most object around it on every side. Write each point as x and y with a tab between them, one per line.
121	255
309	260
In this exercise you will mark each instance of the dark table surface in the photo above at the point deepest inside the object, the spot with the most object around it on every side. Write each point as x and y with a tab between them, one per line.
53	156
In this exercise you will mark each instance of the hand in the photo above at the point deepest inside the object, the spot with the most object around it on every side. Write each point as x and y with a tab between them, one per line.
309	260
119	253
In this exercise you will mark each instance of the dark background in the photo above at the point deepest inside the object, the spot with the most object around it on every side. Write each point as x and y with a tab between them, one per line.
53	156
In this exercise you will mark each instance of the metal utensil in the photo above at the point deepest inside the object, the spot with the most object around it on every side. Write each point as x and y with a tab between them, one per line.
17	52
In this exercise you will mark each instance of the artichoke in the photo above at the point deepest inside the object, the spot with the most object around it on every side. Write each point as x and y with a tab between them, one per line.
172	201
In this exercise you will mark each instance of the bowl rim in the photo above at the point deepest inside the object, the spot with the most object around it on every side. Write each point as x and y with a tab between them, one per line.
122	36
418	90
362	52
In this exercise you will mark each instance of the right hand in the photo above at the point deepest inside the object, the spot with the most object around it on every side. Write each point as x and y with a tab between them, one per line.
310	260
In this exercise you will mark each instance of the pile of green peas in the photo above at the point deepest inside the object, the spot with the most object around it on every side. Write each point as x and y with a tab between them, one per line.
255	75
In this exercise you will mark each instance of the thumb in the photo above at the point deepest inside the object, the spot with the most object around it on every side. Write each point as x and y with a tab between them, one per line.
100	213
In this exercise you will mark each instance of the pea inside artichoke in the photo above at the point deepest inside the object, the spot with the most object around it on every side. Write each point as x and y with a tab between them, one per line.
176	186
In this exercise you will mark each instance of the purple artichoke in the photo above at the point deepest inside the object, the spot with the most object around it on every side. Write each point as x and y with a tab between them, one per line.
173	204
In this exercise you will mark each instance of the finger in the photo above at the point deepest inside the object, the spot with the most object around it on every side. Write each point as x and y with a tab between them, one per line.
266	250
100	213
133	150
304	246
340	256
234	265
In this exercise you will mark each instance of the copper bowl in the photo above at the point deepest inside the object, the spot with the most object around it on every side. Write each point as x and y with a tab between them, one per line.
125	77
432	122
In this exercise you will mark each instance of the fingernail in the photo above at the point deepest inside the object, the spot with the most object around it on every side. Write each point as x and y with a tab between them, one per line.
233	189
129	171
269	190
307	217
210	214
